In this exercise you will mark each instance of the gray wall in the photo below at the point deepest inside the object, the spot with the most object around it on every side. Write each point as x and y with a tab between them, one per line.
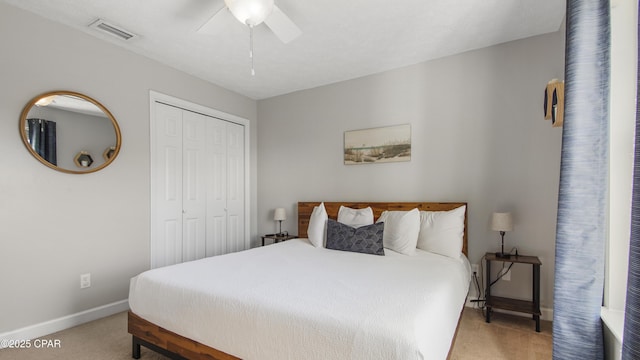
55	226
478	135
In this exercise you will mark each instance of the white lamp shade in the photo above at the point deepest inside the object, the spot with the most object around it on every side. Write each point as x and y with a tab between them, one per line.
280	214
250	12
502	222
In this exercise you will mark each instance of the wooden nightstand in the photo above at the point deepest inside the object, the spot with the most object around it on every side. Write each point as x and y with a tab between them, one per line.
277	238
523	306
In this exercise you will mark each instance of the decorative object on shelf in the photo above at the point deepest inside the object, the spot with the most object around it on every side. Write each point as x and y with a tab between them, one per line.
83	159
502	222
554	102
73	121
378	145
108	153
280	215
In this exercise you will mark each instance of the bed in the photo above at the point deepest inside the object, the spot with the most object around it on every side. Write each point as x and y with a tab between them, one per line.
292	300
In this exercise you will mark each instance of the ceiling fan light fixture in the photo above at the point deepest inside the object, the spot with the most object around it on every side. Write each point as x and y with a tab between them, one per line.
45	101
250	12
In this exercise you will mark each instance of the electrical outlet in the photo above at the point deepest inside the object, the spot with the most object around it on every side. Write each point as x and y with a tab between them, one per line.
475	268
507	274
85	281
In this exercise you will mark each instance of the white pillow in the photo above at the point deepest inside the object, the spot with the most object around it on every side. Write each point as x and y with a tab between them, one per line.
401	230
441	232
355	217
317	230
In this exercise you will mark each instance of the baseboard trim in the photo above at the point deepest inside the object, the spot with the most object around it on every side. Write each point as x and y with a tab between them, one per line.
547	313
62	323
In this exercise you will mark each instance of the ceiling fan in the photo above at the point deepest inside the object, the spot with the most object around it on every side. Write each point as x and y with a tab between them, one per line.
253	13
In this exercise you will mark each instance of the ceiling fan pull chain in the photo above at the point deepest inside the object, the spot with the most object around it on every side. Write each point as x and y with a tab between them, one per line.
253	71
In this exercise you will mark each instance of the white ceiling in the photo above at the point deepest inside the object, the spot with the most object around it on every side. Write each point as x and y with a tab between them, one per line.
341	39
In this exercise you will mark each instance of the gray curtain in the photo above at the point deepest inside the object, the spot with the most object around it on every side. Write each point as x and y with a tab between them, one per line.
582	199
631	337
42	138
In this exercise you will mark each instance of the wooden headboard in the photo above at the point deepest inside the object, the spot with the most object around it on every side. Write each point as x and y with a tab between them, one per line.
306	208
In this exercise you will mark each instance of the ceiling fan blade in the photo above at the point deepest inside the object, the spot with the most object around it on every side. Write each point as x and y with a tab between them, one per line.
213	25
282	26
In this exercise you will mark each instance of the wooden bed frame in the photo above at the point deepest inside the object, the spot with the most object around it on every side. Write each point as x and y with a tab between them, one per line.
174	346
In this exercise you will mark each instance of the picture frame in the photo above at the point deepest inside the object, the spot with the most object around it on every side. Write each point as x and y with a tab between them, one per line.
378	145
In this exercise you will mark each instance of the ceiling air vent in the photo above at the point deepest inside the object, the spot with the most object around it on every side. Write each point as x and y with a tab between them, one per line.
111	29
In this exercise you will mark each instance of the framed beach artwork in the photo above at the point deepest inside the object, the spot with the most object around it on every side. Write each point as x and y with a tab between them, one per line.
377	145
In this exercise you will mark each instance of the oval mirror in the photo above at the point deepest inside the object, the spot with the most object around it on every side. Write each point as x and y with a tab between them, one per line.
70	132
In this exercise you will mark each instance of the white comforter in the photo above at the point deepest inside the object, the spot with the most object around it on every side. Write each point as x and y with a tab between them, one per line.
293	301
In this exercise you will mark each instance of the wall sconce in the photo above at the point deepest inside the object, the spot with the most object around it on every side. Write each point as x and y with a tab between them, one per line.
502	222
280	215
554	102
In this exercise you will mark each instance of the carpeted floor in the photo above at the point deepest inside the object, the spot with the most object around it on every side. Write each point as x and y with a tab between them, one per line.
506	337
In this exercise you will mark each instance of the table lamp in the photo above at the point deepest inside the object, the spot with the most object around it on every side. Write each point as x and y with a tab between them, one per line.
502	222
280	215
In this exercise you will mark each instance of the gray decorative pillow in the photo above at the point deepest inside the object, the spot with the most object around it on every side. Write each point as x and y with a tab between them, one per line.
365	239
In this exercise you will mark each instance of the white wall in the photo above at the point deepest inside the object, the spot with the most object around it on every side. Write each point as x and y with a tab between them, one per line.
624	52
55	226
624	49
478	135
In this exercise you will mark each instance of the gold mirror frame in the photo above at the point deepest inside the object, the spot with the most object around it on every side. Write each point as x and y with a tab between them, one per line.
25	139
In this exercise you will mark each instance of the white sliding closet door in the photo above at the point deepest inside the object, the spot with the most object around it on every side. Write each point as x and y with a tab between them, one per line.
198	184
216	188
194	200
235	188
166	177
225	191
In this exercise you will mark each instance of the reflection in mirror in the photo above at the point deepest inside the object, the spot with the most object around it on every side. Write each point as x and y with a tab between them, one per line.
109	152
83	159
62	128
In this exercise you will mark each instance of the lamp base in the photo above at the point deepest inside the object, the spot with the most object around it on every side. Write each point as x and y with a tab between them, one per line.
502	255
